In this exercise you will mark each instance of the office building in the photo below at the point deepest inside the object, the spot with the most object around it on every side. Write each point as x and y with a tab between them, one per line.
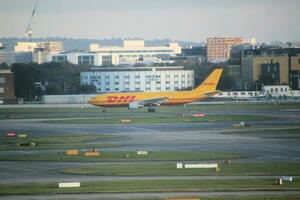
39	50
83	58
194	51
270	67
192	54
132	52
40	55
51	47
25	46
218	48
149	79
237	53
137	48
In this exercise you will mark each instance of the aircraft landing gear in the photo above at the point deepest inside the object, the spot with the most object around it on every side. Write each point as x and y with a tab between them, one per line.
151	109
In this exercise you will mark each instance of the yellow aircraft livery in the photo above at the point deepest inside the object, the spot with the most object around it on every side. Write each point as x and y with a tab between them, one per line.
135	100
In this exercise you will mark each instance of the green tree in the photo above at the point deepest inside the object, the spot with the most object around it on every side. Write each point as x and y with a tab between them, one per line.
26	76
86	89
4	66
33	80
61	78
226	82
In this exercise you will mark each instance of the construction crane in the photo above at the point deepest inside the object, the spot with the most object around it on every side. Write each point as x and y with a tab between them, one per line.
28	31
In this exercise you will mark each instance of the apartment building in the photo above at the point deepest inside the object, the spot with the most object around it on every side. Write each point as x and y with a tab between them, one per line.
219	48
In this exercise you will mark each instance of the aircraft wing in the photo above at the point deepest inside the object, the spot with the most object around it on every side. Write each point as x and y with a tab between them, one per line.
147	102
153	101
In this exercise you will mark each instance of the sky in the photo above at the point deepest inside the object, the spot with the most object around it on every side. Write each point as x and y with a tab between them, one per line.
186	20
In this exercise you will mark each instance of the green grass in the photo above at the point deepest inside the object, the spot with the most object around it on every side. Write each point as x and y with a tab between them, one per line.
230	197
265	130
44	113
121	156
150	186
162	119
169	169
64	141
254	197
28	113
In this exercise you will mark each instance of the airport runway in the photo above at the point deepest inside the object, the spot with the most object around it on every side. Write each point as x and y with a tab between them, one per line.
203	136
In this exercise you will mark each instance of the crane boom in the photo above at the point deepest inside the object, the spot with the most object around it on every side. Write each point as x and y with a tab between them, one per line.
28	31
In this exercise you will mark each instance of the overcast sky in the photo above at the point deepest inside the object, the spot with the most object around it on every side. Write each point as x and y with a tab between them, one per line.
188	20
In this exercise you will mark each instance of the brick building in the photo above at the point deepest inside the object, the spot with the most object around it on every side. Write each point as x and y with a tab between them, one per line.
7	87
218	49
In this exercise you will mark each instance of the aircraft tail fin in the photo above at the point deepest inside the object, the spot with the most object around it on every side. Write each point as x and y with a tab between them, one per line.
209	85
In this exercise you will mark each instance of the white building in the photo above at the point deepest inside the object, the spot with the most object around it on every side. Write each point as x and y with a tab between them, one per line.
149	79
39	50
239	94
96	59
25	46
277	91
137	48
51	47
39	55
132	52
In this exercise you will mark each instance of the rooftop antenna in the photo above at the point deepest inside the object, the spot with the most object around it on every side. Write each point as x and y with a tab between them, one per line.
28	32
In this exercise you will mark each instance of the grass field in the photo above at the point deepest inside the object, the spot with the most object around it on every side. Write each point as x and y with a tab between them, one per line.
295	130
151	186
129	156
162	119
169	169
44	113
254	197
64	141
122	163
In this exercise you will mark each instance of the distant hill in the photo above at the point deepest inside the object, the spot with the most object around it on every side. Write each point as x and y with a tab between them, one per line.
83	44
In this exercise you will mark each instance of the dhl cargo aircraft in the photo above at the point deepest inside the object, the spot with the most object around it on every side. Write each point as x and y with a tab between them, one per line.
136	100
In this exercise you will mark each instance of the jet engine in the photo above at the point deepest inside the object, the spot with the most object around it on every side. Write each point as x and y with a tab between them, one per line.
134	105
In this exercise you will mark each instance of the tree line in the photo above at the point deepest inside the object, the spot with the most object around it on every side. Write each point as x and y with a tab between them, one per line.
34	80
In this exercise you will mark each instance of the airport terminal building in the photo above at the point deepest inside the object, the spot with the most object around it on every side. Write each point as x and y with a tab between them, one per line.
148	79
